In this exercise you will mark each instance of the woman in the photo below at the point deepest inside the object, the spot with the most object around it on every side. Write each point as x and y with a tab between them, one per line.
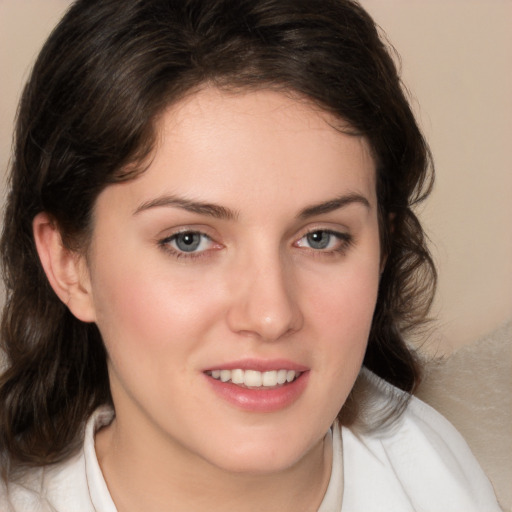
209	233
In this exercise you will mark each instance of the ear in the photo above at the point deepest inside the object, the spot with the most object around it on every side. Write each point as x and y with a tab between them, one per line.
66	270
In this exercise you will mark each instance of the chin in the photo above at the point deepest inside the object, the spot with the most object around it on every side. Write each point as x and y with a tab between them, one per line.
264	454
257	464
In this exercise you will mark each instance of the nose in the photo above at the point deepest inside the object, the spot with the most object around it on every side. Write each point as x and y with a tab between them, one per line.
264	302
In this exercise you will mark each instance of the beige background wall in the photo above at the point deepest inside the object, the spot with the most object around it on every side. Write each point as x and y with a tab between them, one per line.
457	60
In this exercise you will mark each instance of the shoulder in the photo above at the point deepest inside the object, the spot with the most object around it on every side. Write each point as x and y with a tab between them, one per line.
48	488
416	462
72	485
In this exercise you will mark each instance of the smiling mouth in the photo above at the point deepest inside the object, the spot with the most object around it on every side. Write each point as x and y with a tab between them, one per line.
254	379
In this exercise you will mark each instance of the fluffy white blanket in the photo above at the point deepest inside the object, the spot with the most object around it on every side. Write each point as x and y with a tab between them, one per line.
473	389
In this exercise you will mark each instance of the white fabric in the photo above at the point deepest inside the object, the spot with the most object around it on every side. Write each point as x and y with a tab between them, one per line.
479	402
420	464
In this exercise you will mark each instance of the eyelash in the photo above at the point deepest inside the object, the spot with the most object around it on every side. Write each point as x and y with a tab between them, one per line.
345	241
166	242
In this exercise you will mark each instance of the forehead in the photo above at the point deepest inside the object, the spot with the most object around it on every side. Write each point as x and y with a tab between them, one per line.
258	147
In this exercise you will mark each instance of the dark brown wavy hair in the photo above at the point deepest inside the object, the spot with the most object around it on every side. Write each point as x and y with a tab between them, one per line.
86	120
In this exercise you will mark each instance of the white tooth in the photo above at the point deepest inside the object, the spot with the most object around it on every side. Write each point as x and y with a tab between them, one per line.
225	375
216	374
290	375
237	376
270	378
281	376
252	378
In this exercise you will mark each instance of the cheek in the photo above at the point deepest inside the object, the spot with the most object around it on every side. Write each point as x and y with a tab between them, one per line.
145	307
345	302
341	313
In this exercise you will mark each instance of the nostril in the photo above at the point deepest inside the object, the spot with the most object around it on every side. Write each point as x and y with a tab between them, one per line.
264	303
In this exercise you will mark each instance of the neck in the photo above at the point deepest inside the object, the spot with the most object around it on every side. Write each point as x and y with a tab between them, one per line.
140	476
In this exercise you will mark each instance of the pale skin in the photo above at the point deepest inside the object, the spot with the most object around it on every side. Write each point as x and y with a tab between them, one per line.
286	267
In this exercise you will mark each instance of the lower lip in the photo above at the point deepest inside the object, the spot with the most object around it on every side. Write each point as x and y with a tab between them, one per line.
261	399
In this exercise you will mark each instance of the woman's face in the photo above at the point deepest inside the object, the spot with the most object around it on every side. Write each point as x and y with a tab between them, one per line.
246	255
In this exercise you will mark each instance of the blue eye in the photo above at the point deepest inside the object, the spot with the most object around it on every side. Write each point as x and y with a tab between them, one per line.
325	240
188	242
319	239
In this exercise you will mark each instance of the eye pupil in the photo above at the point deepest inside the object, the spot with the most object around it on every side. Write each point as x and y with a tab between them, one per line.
188	242
318	239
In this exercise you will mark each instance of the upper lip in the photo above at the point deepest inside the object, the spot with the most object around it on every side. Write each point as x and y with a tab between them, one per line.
262	365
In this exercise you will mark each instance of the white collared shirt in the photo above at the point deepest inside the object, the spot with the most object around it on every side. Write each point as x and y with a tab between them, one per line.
419	463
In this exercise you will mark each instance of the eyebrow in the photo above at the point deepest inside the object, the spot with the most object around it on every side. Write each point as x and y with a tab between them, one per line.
223	213
334	204
211	210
